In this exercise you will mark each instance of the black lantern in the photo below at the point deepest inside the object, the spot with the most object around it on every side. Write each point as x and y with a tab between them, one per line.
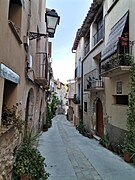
52	20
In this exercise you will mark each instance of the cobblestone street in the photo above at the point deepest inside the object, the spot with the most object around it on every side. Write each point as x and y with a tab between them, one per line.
71	156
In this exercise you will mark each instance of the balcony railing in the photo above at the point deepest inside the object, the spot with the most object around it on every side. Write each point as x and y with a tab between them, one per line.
92	80
115	65
76	99
41	68
76	73
98	36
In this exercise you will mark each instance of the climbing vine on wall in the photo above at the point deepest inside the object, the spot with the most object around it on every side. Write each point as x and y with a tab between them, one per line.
130	135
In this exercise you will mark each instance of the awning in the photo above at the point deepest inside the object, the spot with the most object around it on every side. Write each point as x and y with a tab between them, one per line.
116	32
8	74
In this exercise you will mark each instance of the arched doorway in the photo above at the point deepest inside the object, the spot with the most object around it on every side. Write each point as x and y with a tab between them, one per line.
99	118
29	110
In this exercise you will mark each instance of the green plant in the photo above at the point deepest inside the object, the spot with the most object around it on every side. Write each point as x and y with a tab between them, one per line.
132	150
130	135
54	104
51	111
81	128
104	141
49	116
29	161
10	117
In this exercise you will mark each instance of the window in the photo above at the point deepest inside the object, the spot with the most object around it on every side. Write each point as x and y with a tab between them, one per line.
85	106
87	43
119	87
121	99
99	31
15	16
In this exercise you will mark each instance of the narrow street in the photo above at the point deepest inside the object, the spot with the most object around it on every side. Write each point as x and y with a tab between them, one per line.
71	156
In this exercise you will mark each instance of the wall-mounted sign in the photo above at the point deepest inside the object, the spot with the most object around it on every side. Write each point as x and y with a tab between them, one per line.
8	74
119	87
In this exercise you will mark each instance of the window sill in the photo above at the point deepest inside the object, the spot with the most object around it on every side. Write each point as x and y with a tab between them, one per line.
121	105
14	30
97	44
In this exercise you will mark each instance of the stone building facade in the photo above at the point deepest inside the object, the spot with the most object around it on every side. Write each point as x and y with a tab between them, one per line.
105	37
25	71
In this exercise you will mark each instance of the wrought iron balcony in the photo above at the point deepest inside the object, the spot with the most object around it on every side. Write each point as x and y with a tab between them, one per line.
41	68
117	64
76	99
93	81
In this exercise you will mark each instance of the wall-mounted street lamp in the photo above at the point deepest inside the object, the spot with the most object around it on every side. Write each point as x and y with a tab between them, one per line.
52	20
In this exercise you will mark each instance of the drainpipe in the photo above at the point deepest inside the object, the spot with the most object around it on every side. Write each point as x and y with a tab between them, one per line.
26	69
27	34
82	91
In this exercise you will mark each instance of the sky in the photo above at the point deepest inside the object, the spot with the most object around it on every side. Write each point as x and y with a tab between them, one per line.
72	14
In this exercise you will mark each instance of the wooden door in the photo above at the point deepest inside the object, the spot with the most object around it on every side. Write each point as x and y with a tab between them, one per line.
99	118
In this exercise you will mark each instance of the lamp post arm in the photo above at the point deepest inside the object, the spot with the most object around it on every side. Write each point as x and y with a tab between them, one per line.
35	35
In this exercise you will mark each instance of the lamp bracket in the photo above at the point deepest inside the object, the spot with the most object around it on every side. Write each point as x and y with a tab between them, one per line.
35	35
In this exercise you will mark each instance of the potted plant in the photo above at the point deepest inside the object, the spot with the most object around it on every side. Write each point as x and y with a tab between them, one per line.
127	153
132	149
104	141
81	128
29	163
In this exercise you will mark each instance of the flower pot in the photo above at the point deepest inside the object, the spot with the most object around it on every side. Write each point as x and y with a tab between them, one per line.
45	128
127	157
90	135
133	160
24	178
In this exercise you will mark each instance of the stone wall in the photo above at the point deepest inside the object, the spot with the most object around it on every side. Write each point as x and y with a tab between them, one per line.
115	134
9	140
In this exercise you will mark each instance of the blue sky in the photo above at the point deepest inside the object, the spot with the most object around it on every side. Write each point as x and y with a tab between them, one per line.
72	13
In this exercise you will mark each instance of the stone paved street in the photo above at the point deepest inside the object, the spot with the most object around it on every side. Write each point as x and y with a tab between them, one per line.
71	156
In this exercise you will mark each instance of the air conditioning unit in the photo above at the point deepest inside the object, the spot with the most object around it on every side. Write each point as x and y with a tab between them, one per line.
30	62
26	42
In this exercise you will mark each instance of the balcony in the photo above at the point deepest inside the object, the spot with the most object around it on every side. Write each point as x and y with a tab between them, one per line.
75	73
98	36
76	99
41	68
92	81
117	64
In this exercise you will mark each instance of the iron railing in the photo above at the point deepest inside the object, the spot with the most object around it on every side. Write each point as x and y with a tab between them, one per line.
93	80
98	35
114	61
